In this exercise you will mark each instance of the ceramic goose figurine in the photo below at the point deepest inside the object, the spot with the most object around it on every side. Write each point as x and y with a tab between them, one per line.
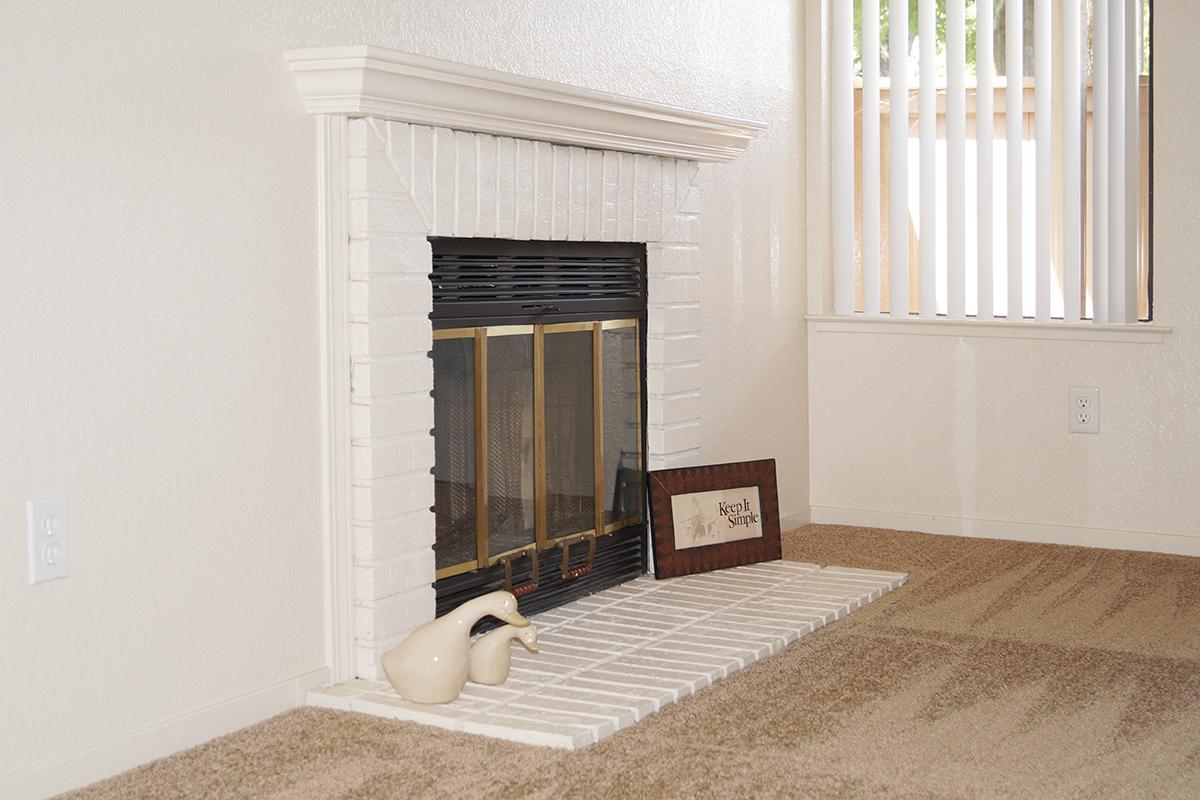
432	664
491	657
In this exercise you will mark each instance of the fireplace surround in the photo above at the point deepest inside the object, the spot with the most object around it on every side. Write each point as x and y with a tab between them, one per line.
411	148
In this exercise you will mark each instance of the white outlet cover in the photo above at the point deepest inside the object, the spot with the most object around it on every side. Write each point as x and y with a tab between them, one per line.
48	532
1083	409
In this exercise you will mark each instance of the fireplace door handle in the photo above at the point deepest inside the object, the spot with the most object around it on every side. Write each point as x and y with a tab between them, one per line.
524	588
570	573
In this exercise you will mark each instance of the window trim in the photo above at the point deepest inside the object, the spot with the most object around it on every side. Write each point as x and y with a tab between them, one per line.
1124	333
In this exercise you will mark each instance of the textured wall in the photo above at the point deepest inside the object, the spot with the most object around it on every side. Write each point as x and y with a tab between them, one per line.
977	429
158	315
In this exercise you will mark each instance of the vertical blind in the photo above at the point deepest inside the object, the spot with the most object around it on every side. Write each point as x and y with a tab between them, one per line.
1086	194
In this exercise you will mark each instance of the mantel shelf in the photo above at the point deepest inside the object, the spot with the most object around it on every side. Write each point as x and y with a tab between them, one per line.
363	81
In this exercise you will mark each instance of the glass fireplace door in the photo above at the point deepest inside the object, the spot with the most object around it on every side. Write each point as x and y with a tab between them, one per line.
569	399
511	473
538	438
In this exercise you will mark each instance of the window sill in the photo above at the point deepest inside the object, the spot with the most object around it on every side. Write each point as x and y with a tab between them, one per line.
1139	333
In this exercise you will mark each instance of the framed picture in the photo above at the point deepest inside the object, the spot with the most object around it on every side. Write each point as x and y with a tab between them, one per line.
705	518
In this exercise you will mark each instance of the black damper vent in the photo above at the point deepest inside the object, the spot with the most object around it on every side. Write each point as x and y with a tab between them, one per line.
505	281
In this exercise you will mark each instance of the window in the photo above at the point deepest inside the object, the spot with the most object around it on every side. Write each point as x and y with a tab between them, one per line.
1046	218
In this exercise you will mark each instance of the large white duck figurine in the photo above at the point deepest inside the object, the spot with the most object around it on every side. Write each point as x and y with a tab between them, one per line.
491	657
432	664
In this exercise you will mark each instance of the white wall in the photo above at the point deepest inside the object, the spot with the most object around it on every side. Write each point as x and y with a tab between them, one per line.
947	434
158	316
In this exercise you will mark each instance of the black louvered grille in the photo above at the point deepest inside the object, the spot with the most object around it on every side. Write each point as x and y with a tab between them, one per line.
502	280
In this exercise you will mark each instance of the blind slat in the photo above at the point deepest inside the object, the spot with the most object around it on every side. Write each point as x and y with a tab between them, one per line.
956	136
842	169
984	121
1116	160
1131	160
1014	40
870	157
1100	160
898	158
928	175
1072	163
1044	125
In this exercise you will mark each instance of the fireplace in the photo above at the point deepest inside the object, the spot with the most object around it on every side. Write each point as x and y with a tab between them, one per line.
411	148
539	401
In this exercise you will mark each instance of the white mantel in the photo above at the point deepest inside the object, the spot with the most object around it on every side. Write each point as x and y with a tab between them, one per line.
365	81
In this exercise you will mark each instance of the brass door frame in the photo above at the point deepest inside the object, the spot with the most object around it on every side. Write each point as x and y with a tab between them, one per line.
542	541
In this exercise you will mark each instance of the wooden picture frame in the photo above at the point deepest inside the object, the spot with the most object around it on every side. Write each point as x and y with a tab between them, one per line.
728	516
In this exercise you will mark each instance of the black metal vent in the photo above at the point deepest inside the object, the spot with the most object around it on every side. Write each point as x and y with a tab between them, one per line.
508	281
620	557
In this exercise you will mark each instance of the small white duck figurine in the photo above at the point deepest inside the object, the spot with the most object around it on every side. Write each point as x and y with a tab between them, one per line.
491	657
432	664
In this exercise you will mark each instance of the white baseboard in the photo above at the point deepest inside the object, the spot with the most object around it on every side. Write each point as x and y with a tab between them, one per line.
798	519
125	752
1115	539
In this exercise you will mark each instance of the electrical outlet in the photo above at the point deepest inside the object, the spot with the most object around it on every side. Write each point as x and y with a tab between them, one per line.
49	541
1083	409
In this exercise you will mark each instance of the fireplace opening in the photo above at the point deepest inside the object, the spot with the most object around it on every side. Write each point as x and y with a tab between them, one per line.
539	408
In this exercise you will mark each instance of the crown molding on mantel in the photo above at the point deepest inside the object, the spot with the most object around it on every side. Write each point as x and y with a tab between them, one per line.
363	81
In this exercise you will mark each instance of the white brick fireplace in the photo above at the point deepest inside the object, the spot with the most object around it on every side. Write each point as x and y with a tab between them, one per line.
411	147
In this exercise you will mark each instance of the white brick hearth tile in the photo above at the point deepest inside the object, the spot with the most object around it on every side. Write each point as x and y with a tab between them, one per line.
611	659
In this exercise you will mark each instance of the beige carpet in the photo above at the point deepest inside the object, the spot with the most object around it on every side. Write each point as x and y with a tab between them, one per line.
1002	670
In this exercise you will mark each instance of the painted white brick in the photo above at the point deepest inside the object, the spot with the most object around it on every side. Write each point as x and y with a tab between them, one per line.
676	318
533	732
385	538
626	207
594	187
607	719
402	256
670	289
394	295
543	190
506	188
394	615
487	185
410	180
389	497
577	201
641	197
672	378
361	138
422	169
676	437
654	201
610	183
667	409
687	179
672	259
385	458
386	215
398	144
391	416
560	208
381	705
389	375
371	173
374	580
445	181
391	335
466	184
639	706
526	179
